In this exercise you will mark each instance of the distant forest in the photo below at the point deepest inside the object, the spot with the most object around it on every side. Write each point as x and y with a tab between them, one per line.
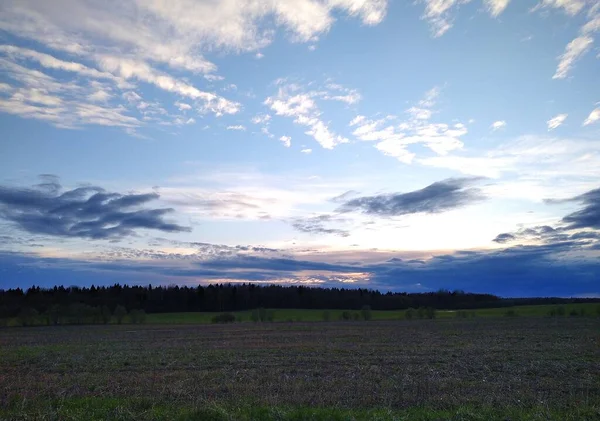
61	301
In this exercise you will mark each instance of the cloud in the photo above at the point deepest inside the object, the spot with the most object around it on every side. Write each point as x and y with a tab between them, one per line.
394	139
306	151
84	212
287	141
574	50
435	198
238	127
593	117
315	225
571	7
291	101
579	228
130	68
439	13
261	118
496	7
581	44
497	125
176	34
589	215
556	121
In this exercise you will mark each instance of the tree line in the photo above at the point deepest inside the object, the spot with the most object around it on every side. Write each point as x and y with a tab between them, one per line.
77	304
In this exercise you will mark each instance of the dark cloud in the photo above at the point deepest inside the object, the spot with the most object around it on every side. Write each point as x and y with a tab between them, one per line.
315	225
516	271
435	198
589	215
85	212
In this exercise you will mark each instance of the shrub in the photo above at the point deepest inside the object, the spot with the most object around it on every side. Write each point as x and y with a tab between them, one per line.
106	314
573	313
421	312
560	311
326	316
255	316
366	313
137	316
462	314
223	318
270	315
431	313
262	314
27	316
346	315
355	316
510	313
120	313
582	312
409	314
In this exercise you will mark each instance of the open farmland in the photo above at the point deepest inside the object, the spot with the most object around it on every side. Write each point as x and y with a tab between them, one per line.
483	368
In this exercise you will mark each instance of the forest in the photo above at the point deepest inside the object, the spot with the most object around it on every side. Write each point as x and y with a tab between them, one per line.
60	301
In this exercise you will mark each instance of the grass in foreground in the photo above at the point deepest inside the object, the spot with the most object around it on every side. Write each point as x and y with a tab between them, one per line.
92	409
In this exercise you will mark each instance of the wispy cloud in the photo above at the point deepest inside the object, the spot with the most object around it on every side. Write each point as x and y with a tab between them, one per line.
439	13
556	121
293	101
316	225
435	198
393	139
593	117
238	127
582	43
497	125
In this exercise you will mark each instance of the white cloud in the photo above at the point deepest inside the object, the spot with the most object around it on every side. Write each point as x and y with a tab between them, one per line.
175	33
258	56
574	50
287	141
357	120
290	101
583	43
572	7
496	7
183	106
239	127
593	117
556	121
99	96
439	13
546	160
65	104
497	125
306	151
394	139
129	68
261	118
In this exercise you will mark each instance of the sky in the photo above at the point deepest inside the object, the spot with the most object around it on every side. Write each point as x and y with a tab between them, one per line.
394	145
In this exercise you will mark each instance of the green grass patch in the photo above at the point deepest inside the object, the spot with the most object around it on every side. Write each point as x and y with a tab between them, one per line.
121	409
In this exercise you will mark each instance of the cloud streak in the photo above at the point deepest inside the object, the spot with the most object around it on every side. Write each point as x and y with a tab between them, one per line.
435	198
84	212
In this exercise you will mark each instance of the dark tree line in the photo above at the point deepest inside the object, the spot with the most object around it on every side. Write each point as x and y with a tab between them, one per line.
97	302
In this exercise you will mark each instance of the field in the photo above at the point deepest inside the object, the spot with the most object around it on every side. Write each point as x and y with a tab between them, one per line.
529	368
301	315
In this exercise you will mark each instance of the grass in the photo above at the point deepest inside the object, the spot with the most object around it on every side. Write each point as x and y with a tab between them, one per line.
522	368
302	315
144	409
307	315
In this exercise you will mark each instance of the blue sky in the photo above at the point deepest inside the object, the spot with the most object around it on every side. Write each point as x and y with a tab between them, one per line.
394	145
